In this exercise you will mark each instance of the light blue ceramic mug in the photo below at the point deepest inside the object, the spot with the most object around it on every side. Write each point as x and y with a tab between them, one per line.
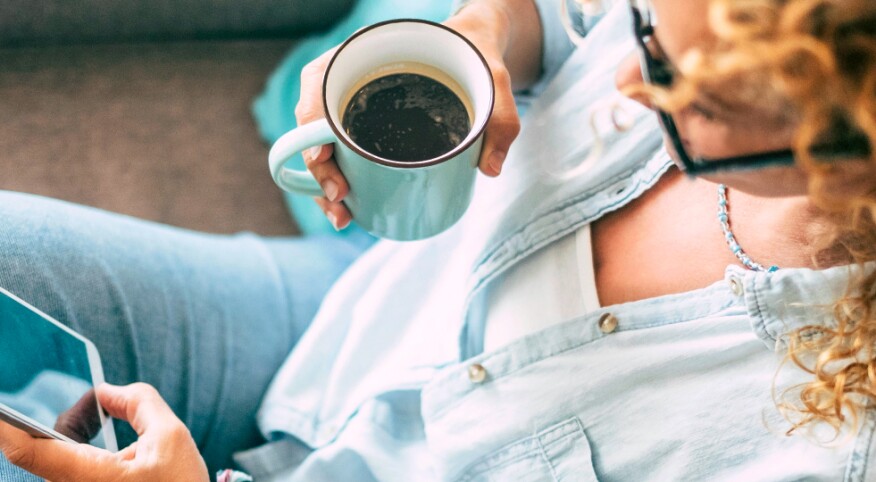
392	199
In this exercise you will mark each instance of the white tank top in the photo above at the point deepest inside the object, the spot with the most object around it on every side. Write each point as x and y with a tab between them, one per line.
553	285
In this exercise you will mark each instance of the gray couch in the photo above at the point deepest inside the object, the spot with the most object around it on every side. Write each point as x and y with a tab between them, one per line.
143	106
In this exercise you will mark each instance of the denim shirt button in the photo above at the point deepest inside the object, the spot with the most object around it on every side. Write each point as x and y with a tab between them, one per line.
736	286
607	323
477	373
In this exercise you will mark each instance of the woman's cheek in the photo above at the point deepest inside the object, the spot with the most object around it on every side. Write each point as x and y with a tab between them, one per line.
628	75
703	138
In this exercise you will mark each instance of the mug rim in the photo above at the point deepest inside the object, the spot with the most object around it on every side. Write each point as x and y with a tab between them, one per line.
340	136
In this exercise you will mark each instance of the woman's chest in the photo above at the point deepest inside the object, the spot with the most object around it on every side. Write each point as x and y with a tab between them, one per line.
667	241
659	398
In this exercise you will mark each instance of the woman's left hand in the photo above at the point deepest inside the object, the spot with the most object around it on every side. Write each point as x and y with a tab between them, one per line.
164	450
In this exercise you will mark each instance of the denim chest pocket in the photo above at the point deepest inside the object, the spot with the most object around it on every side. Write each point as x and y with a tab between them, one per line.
560	452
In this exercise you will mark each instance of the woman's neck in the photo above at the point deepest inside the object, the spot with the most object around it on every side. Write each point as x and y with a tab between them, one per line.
785	231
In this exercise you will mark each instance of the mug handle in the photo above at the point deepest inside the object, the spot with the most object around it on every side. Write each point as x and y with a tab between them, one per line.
302	182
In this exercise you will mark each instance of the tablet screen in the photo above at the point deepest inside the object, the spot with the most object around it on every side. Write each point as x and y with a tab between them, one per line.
45	373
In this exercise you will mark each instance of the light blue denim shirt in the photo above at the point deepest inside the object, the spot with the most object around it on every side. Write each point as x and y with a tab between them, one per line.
681	389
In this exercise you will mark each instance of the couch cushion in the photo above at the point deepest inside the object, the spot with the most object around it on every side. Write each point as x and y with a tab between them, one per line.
40	22
161	131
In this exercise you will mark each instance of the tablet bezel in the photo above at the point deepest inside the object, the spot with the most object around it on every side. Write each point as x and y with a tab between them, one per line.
37	429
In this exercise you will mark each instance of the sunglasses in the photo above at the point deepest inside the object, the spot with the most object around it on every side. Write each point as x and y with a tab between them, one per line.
657	70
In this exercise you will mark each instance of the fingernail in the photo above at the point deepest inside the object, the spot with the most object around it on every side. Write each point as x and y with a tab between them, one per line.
334	220
496	160
331	190
314	151
344	226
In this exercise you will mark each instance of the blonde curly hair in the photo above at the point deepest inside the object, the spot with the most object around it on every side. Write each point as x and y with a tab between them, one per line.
816	61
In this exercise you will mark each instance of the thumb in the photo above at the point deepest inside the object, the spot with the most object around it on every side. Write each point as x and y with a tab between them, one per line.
503	126
140	405
54	459
309	107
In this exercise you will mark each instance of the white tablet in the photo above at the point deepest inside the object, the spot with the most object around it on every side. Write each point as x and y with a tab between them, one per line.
47	377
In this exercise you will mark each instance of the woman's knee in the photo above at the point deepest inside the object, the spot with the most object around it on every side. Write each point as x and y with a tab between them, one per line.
42	253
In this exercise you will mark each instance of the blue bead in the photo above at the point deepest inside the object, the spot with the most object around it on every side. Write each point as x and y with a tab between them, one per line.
724	219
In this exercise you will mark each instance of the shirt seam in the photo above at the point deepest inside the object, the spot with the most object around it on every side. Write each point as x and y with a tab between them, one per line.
627	174
550	353
490	251
544	456
475	467
760	315
471	471
313	424
857	466
657	164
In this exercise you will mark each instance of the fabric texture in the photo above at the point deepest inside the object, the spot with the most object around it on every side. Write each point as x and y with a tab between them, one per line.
392	382
560	277
159	131
55	22
206	319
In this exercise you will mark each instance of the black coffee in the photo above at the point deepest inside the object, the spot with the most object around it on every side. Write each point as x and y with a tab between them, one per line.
406	117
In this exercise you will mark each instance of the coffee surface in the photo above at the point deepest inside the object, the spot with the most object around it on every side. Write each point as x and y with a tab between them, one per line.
406	117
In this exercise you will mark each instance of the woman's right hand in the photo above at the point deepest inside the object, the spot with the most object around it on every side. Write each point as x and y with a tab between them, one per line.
163	451
488	26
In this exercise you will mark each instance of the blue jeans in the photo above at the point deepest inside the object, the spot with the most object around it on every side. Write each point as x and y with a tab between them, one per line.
206	319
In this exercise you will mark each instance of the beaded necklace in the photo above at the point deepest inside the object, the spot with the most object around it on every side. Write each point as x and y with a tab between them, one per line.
724	219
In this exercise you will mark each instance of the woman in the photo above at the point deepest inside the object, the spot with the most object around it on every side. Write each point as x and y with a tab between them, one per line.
613	319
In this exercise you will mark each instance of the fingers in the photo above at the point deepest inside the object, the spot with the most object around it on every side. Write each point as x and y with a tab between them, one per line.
140	405
337	213
318	159
54	459
503	126
491	39
17	446
165	449
501	130
321	164
309	107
